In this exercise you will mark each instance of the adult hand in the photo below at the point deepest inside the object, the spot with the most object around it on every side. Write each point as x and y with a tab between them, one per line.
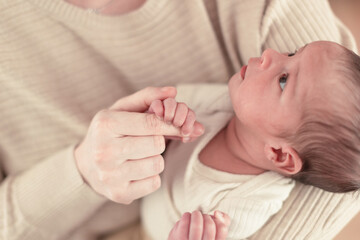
120	157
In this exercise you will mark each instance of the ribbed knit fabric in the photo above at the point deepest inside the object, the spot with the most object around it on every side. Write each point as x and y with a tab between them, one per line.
59	65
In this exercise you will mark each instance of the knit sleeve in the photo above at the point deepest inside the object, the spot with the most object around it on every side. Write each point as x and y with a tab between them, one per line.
309	212
47	201
247	216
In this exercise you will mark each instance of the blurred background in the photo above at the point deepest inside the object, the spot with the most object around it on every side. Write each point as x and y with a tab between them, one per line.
349	13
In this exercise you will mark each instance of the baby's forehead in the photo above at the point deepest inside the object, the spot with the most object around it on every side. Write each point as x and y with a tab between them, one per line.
322	74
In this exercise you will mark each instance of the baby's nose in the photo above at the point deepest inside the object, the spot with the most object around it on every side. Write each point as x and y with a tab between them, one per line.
267	57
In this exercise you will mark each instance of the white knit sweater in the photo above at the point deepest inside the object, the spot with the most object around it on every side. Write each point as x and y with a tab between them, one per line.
59	65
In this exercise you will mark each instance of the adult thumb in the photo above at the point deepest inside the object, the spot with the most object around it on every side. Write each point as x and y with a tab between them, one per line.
141	100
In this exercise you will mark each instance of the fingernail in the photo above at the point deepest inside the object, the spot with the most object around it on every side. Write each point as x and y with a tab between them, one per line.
220	216
185	133
186	139
199	131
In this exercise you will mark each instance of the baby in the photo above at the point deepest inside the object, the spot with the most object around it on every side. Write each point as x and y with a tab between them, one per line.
297	116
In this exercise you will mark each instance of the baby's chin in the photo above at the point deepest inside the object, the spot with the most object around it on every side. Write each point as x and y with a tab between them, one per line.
240	75
236	77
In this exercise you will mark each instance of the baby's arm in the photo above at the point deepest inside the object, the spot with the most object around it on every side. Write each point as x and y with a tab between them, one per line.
198	226
178	114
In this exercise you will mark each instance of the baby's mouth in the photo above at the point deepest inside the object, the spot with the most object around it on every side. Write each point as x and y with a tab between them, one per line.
243	71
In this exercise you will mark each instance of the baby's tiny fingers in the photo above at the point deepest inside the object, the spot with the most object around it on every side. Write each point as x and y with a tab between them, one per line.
181	228
170	105
184	224
174	231
187	128
209	231
222	222
157	108
196	226
180	114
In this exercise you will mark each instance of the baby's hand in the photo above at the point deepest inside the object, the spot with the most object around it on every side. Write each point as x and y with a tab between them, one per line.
178	114
198	226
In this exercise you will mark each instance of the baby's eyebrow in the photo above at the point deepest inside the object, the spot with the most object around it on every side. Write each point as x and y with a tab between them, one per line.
302	49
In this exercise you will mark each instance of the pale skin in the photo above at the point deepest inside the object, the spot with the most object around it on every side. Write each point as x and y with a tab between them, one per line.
120	156
198	226
271	89
195	225
267	106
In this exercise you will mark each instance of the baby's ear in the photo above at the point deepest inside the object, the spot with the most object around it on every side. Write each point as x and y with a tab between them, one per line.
284	160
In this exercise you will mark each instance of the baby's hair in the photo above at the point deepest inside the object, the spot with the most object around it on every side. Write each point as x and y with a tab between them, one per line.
328	142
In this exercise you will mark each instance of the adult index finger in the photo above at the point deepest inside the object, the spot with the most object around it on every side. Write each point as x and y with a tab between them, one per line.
136	124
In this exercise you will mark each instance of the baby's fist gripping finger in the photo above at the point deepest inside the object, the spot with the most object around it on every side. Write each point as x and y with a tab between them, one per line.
157	108
180	114
170	106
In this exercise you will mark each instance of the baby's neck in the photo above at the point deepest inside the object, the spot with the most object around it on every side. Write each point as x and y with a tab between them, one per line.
225	152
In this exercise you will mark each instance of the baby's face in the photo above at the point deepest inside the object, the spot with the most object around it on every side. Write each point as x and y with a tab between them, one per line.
270	94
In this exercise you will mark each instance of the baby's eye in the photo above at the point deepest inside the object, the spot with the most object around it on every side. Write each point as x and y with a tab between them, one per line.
282	80
292	54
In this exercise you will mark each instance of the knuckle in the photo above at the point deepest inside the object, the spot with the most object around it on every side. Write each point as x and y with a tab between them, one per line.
159	143
103	177
100	123
149	89
158	164
177	123
182	106
118	196
152	122
126	148
127	202
170	101
156	182
99	158
222	230
210	224
198	225
101	118
191	114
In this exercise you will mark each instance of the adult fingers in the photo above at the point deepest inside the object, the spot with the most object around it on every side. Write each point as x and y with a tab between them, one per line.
143	187
141	100
136	147
143	168
112	153
133	124
133	170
